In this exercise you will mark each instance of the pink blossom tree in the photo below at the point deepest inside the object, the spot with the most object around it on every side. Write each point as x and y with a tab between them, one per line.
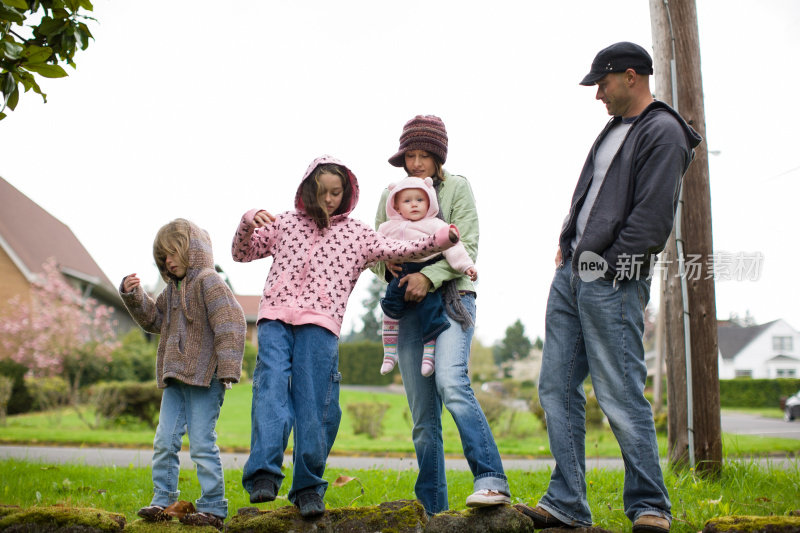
55	331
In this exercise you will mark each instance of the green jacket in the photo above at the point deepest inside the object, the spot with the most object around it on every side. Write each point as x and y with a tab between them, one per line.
457	204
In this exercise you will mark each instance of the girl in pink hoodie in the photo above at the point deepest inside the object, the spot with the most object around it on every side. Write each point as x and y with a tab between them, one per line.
411	209
318	254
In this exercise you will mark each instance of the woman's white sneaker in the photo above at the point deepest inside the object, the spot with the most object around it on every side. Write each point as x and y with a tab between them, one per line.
486	498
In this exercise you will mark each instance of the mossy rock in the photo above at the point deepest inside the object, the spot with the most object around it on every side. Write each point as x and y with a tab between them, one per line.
61	520
401	516
495	519
140	526
753	524
6	510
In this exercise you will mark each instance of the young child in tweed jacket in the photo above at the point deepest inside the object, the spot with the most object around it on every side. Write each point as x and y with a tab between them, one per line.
318	254
200	351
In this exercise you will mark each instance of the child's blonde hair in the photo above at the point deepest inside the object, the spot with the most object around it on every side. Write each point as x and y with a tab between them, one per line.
172	239
311	194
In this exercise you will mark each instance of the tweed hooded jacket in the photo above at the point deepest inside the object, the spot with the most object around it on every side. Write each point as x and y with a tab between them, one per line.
315	269
201	324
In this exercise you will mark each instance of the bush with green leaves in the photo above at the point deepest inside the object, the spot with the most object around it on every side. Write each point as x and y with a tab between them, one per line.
492	405
6	386
21	400
368	418
116	399
746	392
250	359
49	392
35	36
360	364
595	417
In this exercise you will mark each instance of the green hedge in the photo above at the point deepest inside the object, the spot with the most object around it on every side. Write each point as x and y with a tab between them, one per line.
745	392
360	364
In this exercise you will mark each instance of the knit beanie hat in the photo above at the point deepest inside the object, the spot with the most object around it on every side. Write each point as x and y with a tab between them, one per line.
423	132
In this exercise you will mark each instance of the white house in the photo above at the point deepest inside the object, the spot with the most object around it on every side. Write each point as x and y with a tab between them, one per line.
764	351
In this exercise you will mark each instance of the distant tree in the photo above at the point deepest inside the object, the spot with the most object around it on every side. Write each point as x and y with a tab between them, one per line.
650	325
371	319
481	362
56	331
514	346
35	36
538	344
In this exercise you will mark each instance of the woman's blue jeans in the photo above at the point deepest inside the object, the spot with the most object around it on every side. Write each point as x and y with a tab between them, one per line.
595	328
449	384
295	386
196	409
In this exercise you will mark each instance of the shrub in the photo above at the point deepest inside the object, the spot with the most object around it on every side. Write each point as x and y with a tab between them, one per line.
21	400
493	407
250	359
368	418
6	386
360	363
745	392
536	408
134	399
48	392
594	415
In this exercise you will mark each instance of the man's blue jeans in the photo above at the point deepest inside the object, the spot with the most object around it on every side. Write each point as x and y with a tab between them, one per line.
295	386
196	408
595	328
449	384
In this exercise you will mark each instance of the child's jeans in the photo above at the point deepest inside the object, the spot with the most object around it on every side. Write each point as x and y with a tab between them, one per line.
196	408
295	387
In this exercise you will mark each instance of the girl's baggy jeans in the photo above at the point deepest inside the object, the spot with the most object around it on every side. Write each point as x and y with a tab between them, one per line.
295	386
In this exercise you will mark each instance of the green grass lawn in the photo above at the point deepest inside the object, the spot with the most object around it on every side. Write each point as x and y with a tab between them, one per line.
742	489
521	435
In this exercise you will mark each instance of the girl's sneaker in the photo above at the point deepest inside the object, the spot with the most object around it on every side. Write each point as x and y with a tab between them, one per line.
153	513
485	498
203	519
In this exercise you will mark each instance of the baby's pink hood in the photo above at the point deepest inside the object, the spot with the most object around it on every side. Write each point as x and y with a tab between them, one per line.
410	182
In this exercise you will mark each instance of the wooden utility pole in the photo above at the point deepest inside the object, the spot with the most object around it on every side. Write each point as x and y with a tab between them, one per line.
674	27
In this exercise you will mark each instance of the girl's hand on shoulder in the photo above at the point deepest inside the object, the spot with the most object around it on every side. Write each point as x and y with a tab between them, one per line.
130	283
262	219
472	273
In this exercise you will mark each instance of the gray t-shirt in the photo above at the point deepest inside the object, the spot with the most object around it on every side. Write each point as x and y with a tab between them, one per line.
602	160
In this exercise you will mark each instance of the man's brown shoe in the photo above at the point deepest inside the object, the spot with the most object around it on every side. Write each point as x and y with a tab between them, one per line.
541	518
651	524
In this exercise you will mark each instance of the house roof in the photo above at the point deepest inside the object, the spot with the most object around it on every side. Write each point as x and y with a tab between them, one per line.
249	303
732	338
30	236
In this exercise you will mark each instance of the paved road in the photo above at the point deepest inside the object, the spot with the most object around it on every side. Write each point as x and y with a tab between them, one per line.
744	424
141	458
731	423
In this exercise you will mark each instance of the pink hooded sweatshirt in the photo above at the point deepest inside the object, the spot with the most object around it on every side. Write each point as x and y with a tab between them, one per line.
398	227
314	270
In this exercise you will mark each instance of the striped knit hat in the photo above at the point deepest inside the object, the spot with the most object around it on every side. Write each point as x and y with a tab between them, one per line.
423	132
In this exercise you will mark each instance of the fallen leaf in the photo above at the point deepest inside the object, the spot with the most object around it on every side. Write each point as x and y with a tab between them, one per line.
341	481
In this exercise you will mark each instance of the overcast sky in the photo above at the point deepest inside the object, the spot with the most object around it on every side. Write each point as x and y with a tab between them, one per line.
204	110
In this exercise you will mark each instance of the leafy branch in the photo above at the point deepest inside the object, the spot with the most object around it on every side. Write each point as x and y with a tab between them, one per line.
58	35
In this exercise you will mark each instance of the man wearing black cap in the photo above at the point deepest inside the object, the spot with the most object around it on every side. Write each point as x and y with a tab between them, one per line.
620	217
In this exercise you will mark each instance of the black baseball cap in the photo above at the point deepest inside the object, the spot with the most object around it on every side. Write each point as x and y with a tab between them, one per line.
619	57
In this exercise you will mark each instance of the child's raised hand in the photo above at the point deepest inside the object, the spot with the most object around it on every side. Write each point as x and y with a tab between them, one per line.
263	218
472	273
130	283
